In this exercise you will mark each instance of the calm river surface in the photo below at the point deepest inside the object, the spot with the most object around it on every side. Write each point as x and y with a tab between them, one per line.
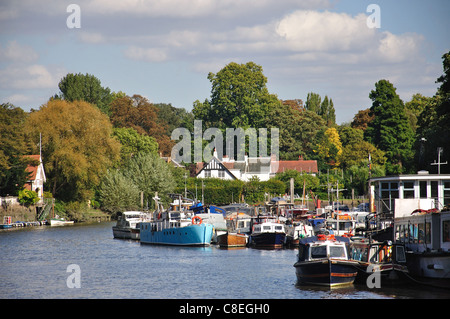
34	265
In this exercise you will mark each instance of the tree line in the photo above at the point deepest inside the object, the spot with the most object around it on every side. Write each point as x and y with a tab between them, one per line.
106	146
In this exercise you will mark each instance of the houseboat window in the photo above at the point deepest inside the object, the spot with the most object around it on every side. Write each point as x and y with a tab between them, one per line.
389	191
428	232
446	231
359	253
345	226
408	189
446	193
337	252
421	233
278	227
374	254
434	189
423	189
266	227
400	254
319	251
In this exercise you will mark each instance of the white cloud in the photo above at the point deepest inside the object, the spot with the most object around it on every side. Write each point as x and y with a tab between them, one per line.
92	37
146	54
34	76
14	52
197	8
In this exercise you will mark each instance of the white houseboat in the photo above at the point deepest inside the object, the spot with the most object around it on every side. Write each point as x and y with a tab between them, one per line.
419	208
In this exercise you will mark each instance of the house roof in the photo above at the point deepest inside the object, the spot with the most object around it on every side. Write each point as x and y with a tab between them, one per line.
218	163
33	168
299	165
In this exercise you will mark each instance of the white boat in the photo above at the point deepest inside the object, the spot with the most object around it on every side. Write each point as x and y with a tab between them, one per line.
267	232
418	206
426	236
127	226
59	222
295	230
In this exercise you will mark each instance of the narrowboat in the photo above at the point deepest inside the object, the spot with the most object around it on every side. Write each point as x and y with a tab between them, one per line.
323	260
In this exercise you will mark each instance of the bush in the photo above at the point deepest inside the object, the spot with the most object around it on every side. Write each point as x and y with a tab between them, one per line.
27	197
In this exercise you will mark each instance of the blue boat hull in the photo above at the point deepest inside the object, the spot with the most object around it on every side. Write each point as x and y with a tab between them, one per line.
193	235
326	272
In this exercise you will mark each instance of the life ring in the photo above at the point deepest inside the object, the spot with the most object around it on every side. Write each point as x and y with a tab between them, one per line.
196	220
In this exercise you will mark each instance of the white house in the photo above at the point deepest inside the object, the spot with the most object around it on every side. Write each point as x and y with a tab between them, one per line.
262	167
37	175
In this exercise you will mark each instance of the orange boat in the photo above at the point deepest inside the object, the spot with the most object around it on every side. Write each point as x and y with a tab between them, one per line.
232	240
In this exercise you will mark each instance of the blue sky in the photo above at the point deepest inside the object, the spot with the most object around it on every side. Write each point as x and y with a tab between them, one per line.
164	50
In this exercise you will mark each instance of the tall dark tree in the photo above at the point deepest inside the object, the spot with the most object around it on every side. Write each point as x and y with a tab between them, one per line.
390	130
13	145
433	130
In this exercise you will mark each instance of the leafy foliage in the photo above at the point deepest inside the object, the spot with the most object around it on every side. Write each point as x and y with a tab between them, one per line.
85	87
77	146
28	197
390	129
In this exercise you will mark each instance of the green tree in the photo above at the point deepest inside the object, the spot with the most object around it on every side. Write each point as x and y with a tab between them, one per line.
150	174
77	147
390	130
85	87
13	145
313	102
239	98
415	107
134	143
118	193
433	131
327	111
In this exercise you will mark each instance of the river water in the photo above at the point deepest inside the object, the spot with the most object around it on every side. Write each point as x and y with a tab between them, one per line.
34	264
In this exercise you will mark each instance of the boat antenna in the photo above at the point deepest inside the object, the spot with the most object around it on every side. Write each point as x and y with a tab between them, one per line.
439	150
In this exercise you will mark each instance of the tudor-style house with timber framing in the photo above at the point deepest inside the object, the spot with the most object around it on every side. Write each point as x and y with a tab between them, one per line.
262	167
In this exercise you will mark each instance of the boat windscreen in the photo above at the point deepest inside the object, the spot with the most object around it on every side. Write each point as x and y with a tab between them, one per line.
337	252
319	251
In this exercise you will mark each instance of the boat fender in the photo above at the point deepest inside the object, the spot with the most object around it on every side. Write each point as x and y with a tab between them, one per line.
196	220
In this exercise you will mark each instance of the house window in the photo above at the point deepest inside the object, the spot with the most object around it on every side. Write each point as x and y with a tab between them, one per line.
221	174
207	173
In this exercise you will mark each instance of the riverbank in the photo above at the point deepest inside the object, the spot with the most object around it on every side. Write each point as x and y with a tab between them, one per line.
28	214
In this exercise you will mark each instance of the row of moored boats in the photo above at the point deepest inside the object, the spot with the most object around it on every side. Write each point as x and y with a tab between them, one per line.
334	248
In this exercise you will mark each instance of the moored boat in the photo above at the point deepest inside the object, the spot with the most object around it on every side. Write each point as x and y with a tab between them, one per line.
127	226
386	258
267	232
232	240
59	222
323	260
6	222
176	228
